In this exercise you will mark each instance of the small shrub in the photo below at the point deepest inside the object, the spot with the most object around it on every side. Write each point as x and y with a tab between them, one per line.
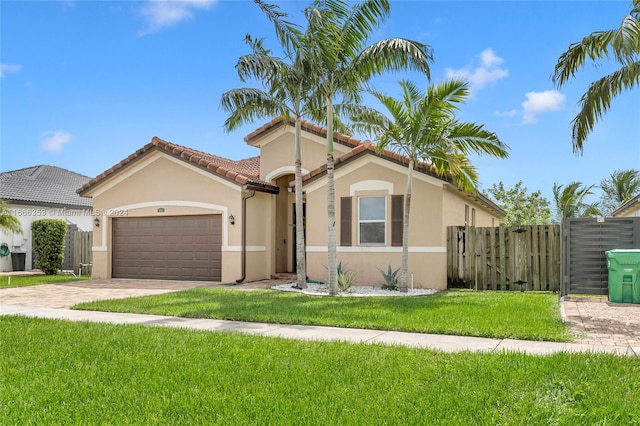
390	278
346	278
48	244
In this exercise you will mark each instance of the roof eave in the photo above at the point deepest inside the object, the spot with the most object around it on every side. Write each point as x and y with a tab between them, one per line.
157	145
367	148
626	205
306	126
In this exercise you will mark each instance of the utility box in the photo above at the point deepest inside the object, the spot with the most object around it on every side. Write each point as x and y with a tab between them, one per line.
624	275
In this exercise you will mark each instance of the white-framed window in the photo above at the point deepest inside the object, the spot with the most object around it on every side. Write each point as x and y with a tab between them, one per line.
372	220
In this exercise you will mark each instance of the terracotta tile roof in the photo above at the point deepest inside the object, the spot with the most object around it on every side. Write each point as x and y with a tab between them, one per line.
369	148
243	172
307	127
43	185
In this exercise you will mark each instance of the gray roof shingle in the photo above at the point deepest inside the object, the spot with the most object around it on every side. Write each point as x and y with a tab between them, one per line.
44	185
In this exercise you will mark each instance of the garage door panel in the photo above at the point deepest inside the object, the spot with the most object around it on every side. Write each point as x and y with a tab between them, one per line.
180	248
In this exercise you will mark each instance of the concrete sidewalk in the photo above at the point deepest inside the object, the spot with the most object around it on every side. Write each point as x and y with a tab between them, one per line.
430	341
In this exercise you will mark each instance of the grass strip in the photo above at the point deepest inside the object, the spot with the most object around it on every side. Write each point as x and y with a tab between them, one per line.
529	316
57	372
11	281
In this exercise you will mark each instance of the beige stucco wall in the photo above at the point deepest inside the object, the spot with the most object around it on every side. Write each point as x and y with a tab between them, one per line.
434	206
259	237
159	181
457	205
630	212
277	152
369	176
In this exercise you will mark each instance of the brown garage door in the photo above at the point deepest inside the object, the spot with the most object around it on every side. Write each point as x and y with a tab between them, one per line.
168	248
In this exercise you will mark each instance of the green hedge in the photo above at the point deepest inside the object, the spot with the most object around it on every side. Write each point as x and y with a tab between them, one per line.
48	244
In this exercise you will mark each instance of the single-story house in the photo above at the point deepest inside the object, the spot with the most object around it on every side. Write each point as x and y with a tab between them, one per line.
171	212
630	208
42	192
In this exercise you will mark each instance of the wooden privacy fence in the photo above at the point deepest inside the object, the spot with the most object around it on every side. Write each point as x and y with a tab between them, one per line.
504	258
82	253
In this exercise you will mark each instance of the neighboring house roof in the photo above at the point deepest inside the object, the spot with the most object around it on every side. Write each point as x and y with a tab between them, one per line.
367	148
43	185
633	203
242	172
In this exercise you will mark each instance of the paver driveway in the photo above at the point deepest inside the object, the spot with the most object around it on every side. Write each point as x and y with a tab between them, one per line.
65	295
599	322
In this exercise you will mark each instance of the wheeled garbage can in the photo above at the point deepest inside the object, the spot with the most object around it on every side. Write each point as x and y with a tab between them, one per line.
624	275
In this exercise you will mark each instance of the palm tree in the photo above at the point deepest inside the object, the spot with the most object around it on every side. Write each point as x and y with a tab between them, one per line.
423	127
8	222
570	202
620	186
623	44
342	64
288	88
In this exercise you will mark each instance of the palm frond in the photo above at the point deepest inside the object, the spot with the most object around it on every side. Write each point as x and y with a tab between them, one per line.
287	32
623	45
597	100
247	105
473	138
595	46
394	54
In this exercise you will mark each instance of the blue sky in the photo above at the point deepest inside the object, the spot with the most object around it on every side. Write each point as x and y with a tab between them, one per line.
86	83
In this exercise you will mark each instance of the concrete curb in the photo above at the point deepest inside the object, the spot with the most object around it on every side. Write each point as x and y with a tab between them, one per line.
445	343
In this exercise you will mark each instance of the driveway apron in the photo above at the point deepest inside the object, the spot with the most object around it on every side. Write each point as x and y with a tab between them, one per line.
65	295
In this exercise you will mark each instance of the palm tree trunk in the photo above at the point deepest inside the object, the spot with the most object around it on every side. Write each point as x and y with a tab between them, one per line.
332	256
301	266
404	272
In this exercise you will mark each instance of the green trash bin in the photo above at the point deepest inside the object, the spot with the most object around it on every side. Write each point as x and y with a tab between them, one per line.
624	275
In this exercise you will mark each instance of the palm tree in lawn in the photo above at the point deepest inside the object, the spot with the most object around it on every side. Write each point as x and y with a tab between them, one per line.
570	201
288	87
8	222
620	186
423	127
622	44
342	64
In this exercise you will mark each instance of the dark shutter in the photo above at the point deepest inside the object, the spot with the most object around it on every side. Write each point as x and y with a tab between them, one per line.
345	221
397	213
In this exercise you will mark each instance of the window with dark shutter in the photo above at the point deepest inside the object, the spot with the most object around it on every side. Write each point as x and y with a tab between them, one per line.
345	221
397	213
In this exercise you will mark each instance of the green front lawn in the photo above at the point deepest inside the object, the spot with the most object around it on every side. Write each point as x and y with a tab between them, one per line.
57	372
10	281
530	316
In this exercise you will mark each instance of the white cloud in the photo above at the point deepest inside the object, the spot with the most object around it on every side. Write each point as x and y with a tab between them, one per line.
53	140
537	102
8	68
160	14
488	71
